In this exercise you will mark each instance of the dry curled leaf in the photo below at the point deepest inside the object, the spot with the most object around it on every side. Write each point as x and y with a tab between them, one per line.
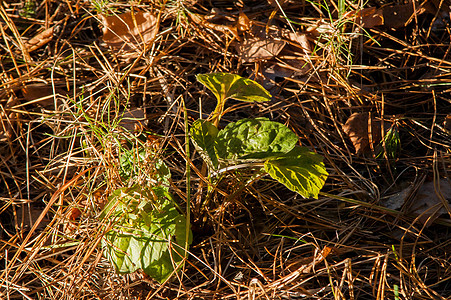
243	23
129	31
39	40
363	129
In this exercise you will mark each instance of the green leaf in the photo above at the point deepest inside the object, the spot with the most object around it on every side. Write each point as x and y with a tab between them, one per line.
130	160
225	86
162	173
254	139
392	144
300	170
203	134
148	232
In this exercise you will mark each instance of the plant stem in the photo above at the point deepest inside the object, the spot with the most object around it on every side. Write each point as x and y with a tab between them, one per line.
217	113
188	180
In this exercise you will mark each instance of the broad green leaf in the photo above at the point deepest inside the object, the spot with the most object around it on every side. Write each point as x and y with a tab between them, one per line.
148	232
300	170
225	86
162	173
203	134
254	139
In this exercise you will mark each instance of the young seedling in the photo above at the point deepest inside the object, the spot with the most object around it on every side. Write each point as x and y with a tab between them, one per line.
254	142
145	230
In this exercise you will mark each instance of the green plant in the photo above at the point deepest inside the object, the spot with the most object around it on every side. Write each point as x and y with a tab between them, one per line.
29	9
147	231
336	35
267	145
390	145
103	7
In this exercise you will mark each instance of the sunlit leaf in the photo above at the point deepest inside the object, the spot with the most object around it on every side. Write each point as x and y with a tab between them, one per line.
203	134
300	170
225	86
251	139
148	232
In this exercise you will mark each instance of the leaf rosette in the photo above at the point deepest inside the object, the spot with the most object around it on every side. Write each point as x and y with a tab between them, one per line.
147	232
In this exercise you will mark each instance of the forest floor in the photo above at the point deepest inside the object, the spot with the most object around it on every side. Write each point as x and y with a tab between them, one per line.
366	85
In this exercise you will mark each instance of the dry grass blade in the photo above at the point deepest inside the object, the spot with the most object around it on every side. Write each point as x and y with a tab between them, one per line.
92	91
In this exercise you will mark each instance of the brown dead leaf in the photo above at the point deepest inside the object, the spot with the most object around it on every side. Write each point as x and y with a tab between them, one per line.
396	201
262	45
397	16
274	71
368	17
298	40
392	16
42	94
279	3
428	202
39	40
363	129
243	23
224	28
255	48
322	29
75	213
35	91
433	6
129	31
132	120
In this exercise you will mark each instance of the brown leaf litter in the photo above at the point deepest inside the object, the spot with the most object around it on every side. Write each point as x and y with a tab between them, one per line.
365	131
39	40
129	31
